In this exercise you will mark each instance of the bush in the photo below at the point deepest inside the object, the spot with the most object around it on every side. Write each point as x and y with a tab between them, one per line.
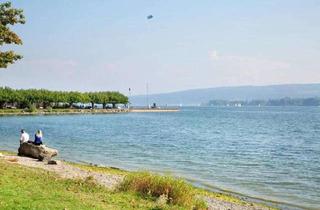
173	191
49	109
31	108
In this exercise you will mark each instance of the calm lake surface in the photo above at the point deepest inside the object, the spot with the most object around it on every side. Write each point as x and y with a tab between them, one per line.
265	152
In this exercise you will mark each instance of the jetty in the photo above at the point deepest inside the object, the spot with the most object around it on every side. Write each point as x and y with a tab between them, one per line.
137	110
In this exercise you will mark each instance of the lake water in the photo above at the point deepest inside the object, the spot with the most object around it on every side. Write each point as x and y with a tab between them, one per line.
265	152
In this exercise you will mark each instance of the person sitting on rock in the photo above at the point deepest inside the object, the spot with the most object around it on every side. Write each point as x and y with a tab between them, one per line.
38	138
24	136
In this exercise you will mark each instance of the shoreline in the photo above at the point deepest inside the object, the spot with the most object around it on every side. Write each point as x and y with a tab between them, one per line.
272	204
19	112
268	202
233	198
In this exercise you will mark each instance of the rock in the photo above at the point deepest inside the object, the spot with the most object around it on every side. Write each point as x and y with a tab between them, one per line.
39	152
52	162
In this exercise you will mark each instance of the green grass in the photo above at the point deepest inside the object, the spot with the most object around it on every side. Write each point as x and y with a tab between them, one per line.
216	195
10	111
27	188
5	152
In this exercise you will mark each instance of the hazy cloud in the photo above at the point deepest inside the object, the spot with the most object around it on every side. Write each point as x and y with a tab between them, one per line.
213	55
54	64
236	69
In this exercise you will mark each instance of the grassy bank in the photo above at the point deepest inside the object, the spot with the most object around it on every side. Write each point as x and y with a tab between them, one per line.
23	187
145	182
28	188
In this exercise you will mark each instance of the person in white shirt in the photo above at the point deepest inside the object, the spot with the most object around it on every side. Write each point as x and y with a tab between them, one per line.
24	138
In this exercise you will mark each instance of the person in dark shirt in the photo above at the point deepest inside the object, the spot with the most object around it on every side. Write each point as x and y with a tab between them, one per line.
38	138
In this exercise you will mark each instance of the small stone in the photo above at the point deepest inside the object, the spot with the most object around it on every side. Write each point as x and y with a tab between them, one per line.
53	162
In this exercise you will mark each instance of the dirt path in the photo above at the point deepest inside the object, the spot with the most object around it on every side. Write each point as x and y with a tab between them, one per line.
110	180
68	171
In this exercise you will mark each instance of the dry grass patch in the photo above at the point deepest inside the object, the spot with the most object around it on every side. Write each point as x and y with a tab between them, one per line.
13	160
163	189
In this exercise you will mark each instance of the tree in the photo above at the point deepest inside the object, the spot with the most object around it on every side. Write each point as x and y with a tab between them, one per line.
94	98
75	97
9	17
104	98
117	98
5	96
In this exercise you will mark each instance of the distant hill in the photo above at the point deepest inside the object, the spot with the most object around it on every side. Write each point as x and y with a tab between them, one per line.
198	96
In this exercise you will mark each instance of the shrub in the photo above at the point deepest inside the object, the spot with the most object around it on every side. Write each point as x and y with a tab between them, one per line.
31	108
173	191
49	109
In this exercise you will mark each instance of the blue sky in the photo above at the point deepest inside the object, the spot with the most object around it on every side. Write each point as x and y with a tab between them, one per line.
110	45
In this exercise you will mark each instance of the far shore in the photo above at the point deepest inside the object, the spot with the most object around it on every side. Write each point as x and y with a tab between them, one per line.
14	112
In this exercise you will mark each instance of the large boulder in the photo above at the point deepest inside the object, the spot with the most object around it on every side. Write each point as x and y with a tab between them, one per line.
37	151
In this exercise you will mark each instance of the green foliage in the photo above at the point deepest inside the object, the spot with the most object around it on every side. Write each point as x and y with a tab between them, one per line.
31	108
73	97
116	97
8	17
107	98
166	189
45	98
49	109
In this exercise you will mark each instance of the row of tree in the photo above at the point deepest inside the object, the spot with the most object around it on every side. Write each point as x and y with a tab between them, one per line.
271	102
46	98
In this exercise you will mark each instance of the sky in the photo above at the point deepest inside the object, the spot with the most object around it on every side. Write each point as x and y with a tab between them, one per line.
111	45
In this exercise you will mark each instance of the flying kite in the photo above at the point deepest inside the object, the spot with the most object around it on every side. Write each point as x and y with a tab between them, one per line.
149	17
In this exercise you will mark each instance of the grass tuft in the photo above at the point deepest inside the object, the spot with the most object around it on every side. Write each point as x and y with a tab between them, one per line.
164	189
